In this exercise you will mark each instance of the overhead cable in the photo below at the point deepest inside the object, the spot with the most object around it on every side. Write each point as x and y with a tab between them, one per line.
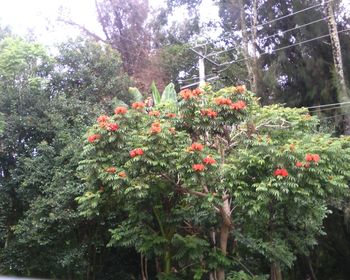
281	17
283	48
327	105
292	14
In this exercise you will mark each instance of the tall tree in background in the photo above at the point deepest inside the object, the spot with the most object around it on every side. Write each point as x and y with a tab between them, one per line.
250	41
46	108
23	68
123	23
343	95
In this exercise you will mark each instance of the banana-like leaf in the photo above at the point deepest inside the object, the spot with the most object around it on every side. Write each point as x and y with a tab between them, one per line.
136	94
169	94
155	93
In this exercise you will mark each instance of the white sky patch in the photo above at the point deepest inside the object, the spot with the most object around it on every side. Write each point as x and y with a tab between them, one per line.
157	4
39	17
208	11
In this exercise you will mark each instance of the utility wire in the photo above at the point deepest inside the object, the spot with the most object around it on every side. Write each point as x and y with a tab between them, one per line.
327	105
292	14
204	56
279	18
282	48
197	83
273	35
195	78
330	108
332	117
279	33
223	51
295	28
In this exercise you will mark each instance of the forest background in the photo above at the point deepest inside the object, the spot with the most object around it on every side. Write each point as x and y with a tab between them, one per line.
49	96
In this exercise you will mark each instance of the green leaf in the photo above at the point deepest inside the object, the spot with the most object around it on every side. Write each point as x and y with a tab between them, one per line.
136	94
155	94
169	95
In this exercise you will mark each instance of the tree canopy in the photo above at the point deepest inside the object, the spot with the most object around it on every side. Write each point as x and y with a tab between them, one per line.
108	170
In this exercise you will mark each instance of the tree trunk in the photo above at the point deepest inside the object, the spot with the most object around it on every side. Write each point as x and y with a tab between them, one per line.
143	269
338	64
251	61
311	269
167	262
212	274
224	234
254	60
276	273
245	39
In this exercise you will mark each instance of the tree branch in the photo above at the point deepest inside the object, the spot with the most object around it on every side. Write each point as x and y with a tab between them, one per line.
182	189
83	29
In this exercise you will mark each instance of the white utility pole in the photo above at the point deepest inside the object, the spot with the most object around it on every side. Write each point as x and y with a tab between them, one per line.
201	68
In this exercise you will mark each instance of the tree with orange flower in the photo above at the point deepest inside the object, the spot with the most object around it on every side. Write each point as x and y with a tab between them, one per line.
220	180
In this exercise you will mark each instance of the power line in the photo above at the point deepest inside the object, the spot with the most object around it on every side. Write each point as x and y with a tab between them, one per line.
279	18
292	14
279	33
223	51
295	28
327	105
270	36
332	117
273	35
330	108
282	48
204	56
197	83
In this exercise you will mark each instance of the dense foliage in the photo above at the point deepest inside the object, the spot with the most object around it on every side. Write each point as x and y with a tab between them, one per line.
219	170
45	111
102	181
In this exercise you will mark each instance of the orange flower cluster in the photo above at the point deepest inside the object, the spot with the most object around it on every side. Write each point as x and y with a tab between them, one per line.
172	130
138	105
155	128
198	167
186	94
197	91
301	164
209	160
120	110
239	105
112	126
154	113
196	147
171	115
312	157
111	170
241	89
103	122
103	119
136	152
222	101
281	172
209	112
309	158
122	174
92	138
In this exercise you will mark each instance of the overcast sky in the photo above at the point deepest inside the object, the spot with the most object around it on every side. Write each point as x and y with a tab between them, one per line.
40	16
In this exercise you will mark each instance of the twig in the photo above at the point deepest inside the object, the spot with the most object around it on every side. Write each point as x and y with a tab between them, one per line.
84	29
